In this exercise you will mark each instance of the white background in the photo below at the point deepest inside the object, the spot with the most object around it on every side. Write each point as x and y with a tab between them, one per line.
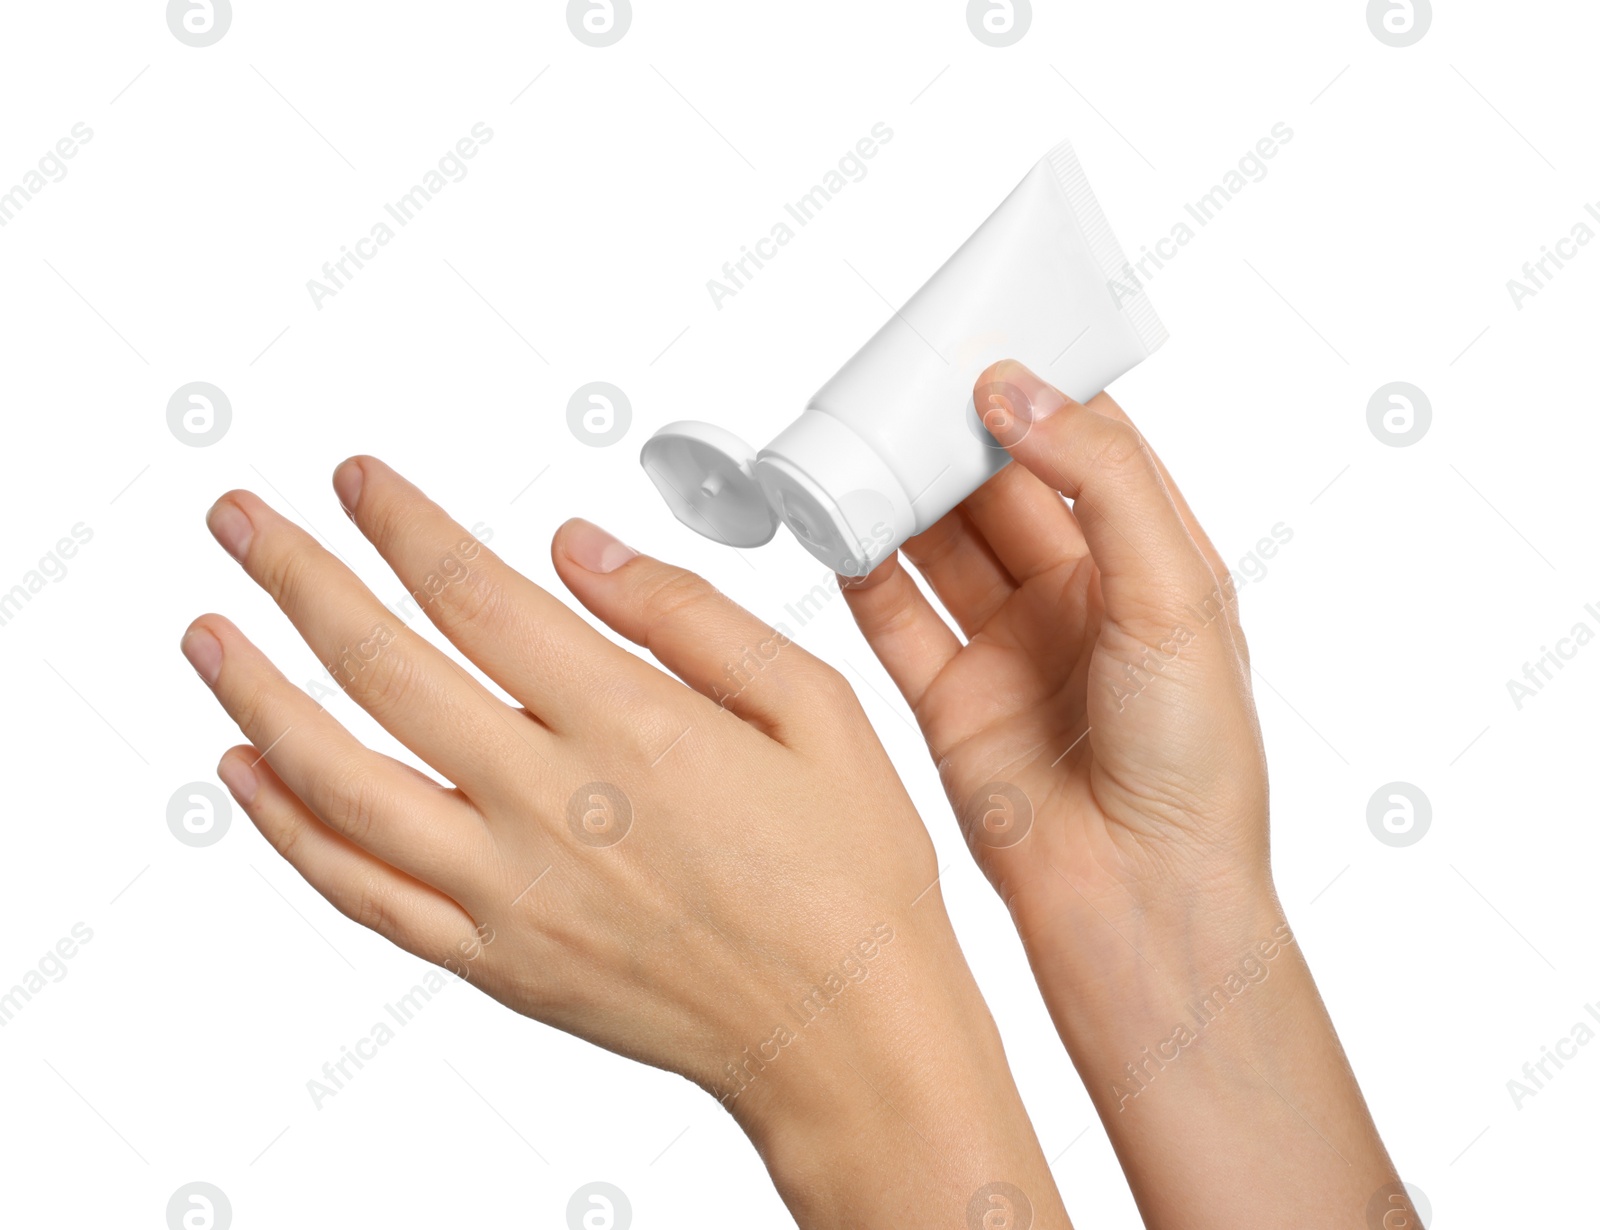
219	180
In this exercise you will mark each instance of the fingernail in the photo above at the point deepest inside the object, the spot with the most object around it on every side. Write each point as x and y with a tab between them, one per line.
230	527
1000	415
347	480
590	547
239	778
204	652
1023	395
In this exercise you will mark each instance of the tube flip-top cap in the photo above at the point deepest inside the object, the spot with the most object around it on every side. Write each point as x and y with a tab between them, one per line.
841	500
706	474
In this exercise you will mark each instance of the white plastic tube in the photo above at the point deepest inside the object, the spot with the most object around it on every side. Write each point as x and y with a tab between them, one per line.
893	441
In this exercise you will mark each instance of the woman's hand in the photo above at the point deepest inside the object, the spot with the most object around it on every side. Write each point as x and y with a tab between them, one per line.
1099	705
726	880
1096	735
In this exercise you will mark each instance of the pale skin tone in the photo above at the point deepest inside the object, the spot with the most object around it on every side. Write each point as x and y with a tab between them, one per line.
740	893
722	888
1098	666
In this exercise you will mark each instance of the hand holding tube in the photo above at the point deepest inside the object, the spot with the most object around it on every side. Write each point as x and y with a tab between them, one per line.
1095	731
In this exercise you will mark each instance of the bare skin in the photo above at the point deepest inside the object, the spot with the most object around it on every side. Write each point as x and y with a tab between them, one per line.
737	892
1094	728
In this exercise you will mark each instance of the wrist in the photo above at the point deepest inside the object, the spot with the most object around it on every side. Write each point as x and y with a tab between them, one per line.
1112	961
1206	1013
913	1153
898	1108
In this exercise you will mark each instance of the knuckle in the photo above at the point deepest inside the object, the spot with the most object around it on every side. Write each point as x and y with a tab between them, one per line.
386	682
476	600
938	544
285	839
831	685
252	711
372	905
351	802
675	595
1119	448
896	616
286	576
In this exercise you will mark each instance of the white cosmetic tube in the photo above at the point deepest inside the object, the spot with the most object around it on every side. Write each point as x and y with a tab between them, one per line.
894	441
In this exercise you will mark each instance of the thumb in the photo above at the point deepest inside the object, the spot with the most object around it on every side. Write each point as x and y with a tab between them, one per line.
1149	565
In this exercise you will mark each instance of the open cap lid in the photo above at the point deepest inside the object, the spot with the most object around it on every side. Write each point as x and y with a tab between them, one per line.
706	475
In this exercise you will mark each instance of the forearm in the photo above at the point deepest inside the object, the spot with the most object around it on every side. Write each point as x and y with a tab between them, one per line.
1213	1063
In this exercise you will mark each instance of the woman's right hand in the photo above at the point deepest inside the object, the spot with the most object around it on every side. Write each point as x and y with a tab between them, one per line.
1097	701
1096	734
